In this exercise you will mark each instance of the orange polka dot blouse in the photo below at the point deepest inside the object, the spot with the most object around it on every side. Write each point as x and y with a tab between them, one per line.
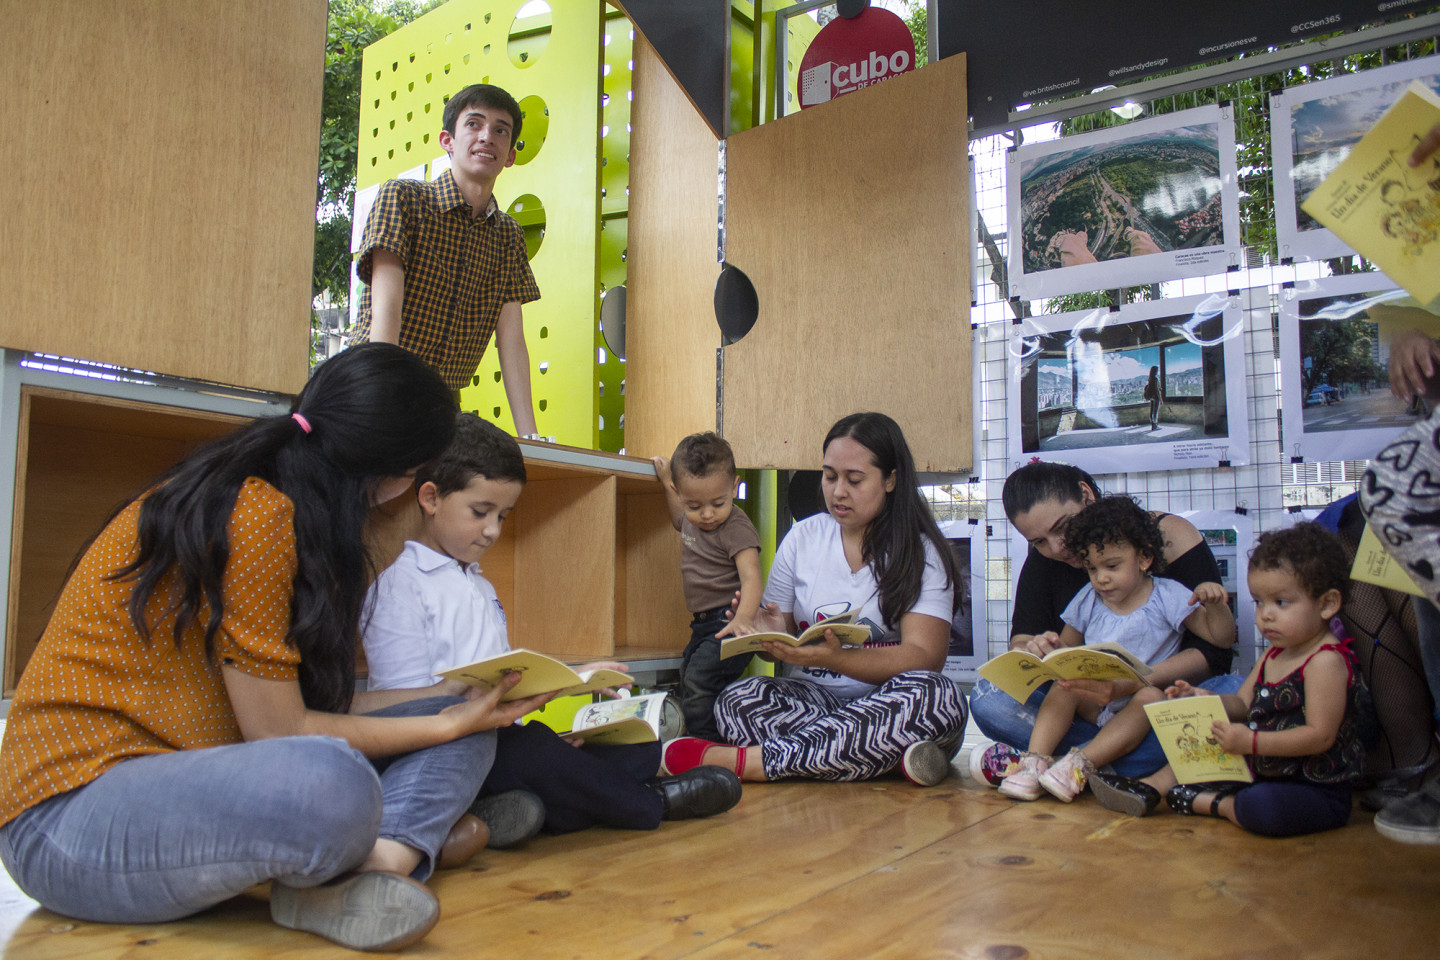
95	694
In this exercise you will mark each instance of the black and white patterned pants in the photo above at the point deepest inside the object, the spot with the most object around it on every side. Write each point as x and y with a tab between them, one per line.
804	730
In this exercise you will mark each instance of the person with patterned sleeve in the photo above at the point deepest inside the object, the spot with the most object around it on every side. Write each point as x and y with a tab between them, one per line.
444	268
188	725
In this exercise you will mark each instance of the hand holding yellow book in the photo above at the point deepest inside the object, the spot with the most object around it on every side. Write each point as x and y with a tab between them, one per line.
1386	210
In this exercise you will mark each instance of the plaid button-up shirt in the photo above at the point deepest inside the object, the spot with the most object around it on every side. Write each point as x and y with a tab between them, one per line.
459	271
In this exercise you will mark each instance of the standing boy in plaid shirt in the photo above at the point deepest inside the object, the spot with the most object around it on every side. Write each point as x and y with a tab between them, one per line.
444	266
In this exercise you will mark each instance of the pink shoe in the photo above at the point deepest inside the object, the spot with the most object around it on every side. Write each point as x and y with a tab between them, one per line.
1024	784
1066	780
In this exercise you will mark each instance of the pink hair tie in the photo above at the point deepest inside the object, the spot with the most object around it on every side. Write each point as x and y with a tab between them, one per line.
300	419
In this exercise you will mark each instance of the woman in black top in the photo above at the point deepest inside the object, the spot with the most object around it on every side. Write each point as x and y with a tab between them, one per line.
1040	499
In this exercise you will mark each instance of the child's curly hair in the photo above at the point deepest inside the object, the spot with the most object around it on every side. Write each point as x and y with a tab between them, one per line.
1116	519
1309	552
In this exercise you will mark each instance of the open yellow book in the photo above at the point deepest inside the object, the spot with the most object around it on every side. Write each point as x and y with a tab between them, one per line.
626	720
1183	729
1387	211
1018	673
539	674
1374	565
846	630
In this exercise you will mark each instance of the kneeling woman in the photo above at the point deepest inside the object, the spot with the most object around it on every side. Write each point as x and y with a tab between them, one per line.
851	713
188	725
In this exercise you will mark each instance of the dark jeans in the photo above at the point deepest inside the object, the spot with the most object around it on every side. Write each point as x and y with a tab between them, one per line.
1290	808
581	786
703	674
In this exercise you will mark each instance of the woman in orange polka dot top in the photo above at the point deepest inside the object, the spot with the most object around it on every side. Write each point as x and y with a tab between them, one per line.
188	725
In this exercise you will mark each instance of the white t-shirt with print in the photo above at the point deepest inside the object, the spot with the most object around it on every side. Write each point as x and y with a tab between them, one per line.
811	580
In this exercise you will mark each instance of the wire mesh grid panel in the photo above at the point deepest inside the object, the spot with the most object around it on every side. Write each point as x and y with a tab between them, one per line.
1272	488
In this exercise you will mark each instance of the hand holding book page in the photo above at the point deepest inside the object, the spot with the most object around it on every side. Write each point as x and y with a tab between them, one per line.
1183	727
620	721
1383	205
539	674
1019	672
847	631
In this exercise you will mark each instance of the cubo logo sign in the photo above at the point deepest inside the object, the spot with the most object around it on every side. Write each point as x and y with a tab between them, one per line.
848	54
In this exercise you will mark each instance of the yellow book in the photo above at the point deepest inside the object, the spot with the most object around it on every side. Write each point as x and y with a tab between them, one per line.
1018	673
539	674
846	630
1373	564
1387	211
622	721
1183	729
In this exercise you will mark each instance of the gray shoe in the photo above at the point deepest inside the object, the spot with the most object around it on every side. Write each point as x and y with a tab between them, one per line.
924	763
364	911
513	817
1414	818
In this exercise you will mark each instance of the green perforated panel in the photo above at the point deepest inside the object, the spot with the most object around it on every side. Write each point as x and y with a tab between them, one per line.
614	218
551	64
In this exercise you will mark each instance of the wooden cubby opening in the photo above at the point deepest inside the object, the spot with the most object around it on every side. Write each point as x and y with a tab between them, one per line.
79	456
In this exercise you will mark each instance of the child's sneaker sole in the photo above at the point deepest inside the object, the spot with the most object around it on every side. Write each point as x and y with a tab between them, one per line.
365	911
924	764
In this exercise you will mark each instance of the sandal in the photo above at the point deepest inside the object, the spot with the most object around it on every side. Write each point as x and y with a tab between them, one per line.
1182	797
1125	794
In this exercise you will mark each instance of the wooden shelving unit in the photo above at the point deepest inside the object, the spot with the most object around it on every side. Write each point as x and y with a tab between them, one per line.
588	566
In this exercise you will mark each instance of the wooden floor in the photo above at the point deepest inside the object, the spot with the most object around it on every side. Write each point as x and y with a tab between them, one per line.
881	869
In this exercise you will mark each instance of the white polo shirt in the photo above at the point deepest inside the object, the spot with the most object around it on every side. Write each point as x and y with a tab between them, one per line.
428	613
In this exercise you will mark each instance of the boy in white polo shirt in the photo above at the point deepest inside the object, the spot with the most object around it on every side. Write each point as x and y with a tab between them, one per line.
432	609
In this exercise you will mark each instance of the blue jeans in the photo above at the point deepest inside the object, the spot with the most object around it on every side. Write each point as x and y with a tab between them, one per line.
160	837
703	674
1000	717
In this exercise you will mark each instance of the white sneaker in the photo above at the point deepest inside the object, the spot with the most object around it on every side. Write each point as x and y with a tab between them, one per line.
991	763
1024	784
1066	780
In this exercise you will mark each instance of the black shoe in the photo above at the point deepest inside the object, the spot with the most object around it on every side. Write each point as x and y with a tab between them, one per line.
513	817
1124	794
698	792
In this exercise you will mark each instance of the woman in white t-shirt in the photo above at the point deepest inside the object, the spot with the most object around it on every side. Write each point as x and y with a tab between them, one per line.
851	713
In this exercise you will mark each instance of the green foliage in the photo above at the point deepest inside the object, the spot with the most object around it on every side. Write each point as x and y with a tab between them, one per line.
1340	352
353	25
915	19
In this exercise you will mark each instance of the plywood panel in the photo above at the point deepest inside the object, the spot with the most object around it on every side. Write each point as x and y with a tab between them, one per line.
670	331
860	871
78	459
159	188
852	220
564	581
654	614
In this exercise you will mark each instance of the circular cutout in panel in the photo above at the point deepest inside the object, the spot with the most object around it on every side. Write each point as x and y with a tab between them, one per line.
530	214
534	127
529	33
736	304
612	320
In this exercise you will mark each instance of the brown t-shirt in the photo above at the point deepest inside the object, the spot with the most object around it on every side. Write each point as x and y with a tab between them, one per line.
95	694
707	560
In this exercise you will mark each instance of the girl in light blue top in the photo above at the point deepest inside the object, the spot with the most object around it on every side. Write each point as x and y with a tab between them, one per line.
1121	546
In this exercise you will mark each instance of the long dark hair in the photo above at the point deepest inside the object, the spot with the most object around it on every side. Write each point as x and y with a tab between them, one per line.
894	542
374	411
1039	481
